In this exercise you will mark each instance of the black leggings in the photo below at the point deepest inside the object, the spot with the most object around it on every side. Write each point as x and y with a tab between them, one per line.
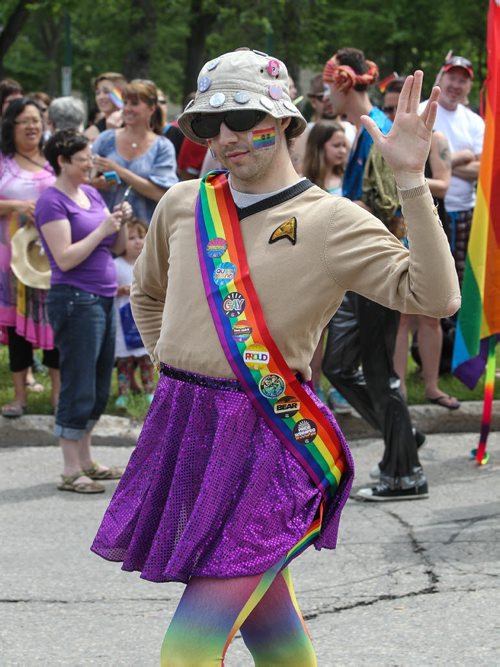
21	353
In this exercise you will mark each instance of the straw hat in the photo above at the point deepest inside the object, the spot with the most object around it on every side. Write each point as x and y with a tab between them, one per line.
29	262
242	79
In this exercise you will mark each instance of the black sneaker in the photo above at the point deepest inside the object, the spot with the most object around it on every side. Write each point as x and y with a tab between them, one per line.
419	437
382	492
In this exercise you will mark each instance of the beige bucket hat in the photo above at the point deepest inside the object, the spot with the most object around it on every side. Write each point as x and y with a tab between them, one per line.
243	79
29	261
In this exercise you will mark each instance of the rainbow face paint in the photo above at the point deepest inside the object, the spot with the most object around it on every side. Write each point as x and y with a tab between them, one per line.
265	138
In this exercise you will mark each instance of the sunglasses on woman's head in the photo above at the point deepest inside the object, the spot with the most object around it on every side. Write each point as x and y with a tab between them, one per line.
207	125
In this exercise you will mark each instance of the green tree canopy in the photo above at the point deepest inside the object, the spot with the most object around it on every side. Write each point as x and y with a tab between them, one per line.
168	40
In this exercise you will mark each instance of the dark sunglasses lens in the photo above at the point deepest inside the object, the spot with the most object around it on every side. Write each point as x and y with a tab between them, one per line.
388	109
241	121
207	126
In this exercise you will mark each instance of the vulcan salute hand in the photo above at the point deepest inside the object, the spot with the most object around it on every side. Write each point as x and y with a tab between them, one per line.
406	146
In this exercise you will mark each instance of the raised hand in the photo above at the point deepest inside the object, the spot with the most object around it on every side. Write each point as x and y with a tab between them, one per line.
406	146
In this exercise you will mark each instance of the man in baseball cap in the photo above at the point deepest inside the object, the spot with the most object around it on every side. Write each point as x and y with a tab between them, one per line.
464	130
239	275
459	62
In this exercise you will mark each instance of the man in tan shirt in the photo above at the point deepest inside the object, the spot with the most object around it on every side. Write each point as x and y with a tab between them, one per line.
304	250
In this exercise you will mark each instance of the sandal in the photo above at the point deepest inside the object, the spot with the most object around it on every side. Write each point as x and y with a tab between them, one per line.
71	483
13	410
36	387
96	472
445	401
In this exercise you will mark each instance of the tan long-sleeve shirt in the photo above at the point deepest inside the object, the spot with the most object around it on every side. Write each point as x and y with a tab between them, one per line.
339	247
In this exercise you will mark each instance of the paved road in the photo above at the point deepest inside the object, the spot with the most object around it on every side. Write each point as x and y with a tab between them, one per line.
411	583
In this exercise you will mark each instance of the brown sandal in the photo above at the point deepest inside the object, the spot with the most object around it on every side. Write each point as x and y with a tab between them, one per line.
96	472
71	483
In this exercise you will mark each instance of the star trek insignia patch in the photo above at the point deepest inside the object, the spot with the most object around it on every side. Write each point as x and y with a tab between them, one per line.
287	230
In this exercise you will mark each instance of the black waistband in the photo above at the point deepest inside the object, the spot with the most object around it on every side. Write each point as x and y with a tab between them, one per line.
205	380
202	380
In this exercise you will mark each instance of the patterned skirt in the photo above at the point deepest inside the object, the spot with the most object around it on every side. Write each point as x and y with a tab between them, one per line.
209	490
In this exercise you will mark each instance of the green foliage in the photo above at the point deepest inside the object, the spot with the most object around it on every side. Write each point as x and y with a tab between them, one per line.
166	39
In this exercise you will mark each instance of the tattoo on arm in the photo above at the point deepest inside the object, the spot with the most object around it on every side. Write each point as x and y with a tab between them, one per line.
444	152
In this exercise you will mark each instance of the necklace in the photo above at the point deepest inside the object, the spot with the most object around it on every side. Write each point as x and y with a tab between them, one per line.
26	157
137	143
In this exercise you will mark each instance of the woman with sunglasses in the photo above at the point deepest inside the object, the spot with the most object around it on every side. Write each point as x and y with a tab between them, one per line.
24	175
136	158
239	466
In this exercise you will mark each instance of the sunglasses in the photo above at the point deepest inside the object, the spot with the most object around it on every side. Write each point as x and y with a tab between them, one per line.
389	109
207	126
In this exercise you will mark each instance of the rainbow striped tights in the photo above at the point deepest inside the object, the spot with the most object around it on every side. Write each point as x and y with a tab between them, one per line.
262	607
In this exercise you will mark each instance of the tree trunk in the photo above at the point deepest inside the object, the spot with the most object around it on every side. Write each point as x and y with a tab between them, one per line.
201	24
49	36
142	30
12	28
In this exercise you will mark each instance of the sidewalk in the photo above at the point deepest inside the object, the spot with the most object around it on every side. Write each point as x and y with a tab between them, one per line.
36	430
410	584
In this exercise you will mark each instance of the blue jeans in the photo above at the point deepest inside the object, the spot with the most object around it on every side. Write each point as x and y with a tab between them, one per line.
84	333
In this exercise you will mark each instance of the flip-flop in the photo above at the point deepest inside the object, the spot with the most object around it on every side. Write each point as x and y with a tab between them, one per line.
445	401
13	410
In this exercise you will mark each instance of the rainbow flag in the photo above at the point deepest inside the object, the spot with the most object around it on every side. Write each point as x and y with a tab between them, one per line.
116	97
479	317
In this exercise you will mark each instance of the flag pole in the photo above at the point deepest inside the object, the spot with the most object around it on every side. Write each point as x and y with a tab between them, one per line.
480	454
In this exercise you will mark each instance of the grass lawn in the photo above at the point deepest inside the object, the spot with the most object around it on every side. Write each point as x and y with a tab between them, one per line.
39	404
137	407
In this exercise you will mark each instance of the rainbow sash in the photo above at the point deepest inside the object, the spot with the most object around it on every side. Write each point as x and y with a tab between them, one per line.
274	390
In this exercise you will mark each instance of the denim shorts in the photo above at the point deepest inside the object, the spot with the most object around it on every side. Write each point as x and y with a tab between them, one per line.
84	333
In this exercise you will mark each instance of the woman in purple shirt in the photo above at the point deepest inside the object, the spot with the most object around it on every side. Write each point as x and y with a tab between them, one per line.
79	234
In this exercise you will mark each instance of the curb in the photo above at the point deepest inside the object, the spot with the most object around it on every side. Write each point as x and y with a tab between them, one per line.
36	430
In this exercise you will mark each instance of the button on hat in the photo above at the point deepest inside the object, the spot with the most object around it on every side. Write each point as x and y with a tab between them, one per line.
243	79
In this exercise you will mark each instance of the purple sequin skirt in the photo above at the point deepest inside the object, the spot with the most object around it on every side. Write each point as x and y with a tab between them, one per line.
209	490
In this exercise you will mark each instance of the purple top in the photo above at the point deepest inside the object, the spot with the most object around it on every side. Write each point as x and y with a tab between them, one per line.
97	273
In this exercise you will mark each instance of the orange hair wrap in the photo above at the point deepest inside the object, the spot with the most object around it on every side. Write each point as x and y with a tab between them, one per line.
344	77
